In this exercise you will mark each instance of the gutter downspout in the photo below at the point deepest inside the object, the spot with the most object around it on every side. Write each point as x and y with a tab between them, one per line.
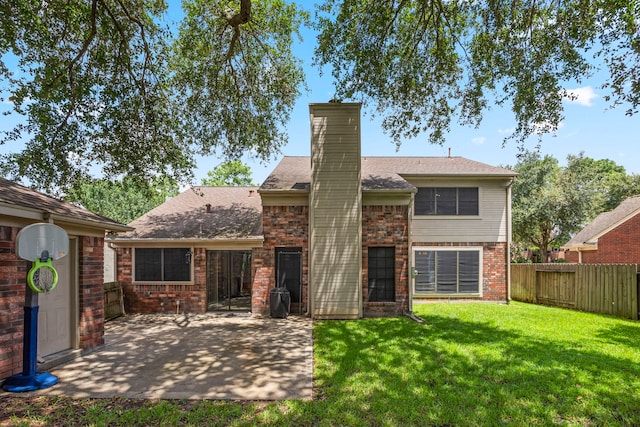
411	277
508	251
410	251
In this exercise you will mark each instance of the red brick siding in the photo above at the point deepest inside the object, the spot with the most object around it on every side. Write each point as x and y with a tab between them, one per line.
494	268
386	226
283	226
619	246
160	297
91	276
13	273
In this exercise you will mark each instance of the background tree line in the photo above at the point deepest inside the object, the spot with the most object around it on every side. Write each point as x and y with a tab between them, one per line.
551	203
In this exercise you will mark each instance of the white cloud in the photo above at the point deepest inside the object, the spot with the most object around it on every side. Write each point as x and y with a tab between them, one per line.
583	96
506	131
479	140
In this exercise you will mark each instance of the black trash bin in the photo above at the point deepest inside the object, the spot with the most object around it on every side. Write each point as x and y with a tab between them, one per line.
280	302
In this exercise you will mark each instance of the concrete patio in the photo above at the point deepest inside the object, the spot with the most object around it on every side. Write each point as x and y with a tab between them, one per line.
227	356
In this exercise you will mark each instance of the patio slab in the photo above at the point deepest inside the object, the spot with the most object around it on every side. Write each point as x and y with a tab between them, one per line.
199	356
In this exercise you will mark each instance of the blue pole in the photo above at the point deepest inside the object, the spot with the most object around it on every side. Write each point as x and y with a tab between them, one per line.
30	343
30	379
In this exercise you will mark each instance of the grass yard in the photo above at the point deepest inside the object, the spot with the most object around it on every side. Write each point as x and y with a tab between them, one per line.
468	364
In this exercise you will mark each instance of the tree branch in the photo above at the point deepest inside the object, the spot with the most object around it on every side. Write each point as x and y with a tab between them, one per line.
83	49
234	21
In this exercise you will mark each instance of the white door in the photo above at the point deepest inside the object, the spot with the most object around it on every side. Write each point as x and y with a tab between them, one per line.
55	312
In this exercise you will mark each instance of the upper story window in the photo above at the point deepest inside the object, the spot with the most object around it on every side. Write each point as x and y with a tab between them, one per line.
447	201
162	264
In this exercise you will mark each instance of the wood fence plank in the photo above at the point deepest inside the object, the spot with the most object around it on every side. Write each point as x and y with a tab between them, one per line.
600	288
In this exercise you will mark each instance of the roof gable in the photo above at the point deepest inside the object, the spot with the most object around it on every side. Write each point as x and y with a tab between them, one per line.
604	223
18	196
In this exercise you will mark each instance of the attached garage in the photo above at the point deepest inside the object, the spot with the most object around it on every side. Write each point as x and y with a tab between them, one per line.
71	317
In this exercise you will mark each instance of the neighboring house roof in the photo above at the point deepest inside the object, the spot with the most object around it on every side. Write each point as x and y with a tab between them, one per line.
382	173
234	213
19	201
603	223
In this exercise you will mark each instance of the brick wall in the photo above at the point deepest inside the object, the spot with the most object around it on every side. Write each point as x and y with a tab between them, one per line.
13	273
494	268
283	227
619	246
386	226
159	297
91	298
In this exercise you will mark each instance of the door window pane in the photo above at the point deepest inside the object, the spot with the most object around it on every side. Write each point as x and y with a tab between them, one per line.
381	274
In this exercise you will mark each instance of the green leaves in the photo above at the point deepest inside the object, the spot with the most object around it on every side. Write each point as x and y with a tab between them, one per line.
237	84
421	63
101	87
232	173
551	203
124	200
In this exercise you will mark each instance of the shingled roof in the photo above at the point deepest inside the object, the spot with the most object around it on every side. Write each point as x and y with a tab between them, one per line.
28	203
202	213
382	173
603	223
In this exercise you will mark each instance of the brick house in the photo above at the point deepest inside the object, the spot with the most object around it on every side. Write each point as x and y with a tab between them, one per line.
192	253
75	307
348	236
611	238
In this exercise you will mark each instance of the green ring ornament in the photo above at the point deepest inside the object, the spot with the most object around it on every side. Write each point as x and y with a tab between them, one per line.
31	276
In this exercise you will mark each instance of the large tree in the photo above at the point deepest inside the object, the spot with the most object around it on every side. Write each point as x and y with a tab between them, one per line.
420	63
548	202
104	86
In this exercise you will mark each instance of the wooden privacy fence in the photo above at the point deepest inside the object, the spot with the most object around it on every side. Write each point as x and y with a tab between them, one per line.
597	288
113	300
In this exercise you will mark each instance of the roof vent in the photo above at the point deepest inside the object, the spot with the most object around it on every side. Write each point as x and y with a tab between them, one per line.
208	205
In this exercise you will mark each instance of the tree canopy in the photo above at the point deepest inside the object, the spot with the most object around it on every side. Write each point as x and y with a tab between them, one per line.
232	173
107	87
550	203
124	200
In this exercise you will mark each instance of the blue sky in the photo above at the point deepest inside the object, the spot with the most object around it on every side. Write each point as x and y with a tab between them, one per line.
589	126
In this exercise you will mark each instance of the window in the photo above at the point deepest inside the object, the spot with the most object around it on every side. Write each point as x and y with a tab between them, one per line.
447	201
381	274
162	264
447	271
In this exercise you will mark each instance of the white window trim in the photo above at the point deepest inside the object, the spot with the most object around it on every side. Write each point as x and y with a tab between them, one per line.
478	249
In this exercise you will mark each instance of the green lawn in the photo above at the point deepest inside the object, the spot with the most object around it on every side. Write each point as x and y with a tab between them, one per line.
468	364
